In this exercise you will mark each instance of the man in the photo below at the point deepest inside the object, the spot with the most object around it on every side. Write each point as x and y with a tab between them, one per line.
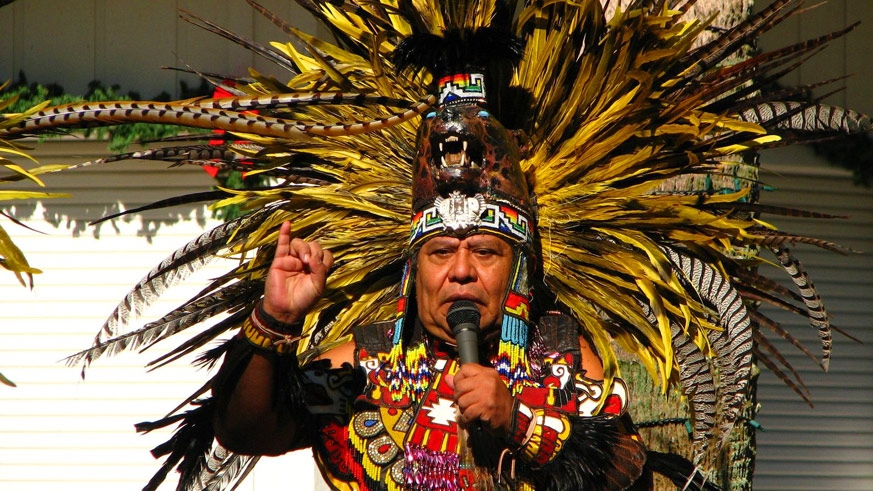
395	408
474	267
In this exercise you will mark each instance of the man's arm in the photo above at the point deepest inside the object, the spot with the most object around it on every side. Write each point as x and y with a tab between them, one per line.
590	363
247	421
249	416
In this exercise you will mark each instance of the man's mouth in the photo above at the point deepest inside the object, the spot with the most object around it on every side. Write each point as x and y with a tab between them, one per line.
460	297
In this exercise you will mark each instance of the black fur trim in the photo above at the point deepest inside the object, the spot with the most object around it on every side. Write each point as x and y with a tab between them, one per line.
598	455
191	443
189	446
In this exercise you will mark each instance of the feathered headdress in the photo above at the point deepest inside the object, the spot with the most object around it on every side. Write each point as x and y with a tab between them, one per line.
609	109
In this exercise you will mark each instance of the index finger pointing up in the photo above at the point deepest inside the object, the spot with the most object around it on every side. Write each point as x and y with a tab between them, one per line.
283	245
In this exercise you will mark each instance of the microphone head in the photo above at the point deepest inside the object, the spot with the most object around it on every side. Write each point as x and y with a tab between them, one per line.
463	315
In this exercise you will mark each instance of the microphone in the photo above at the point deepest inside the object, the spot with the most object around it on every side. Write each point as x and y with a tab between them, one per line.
463	318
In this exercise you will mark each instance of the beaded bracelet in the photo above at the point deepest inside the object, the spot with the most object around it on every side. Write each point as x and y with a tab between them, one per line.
264	331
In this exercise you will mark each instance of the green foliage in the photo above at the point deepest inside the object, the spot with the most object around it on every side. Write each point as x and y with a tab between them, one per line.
28	94
235	180
120	137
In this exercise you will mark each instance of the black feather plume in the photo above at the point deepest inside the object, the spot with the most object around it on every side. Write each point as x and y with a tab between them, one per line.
458	50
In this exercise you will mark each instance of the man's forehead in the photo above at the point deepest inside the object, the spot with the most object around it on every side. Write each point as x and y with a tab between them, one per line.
472	239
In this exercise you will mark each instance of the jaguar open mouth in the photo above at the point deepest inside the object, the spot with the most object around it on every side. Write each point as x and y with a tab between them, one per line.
457	151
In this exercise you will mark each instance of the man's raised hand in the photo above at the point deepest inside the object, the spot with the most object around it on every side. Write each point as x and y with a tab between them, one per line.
297	277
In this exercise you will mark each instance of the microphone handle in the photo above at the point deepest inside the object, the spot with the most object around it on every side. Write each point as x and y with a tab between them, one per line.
468	343
467	338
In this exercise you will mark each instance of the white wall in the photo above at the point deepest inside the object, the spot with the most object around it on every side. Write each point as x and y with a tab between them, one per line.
57	430
126	42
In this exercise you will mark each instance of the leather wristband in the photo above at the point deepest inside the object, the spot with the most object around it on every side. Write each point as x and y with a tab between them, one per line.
538	433
264	331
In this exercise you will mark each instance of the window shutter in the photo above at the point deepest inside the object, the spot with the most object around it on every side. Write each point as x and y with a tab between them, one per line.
829	446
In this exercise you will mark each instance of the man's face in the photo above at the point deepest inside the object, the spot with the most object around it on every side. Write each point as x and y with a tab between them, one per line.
474	268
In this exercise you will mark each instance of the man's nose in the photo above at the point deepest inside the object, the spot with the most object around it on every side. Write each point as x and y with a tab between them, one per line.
463	269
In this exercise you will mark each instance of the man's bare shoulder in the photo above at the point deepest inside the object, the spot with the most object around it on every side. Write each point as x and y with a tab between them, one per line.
344	353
